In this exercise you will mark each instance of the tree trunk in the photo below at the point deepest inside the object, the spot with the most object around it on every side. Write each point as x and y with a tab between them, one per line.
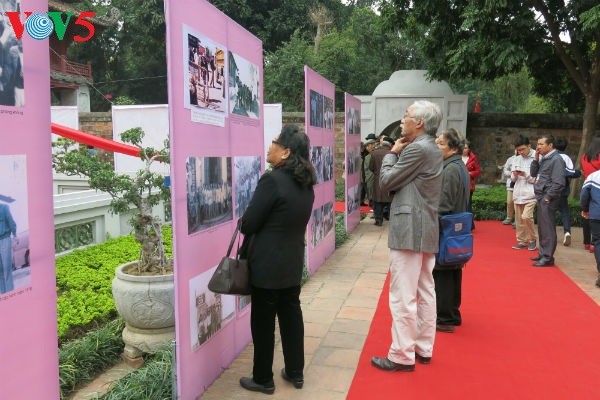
589	130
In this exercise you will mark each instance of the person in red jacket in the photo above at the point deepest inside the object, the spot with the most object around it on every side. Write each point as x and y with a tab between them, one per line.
472	163
590	162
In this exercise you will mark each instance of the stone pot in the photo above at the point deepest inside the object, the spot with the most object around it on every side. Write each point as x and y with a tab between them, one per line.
146	303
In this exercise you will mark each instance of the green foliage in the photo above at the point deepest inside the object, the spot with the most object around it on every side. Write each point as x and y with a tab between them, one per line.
123	101
142	191
128	57
466	39
84	281
340	190
340	230
153	381
490	204
368	53
81	359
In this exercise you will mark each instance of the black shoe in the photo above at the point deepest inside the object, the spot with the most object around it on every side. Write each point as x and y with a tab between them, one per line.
385	364
544	263
421	359
249	384
378	223
445	328
298	382
536	258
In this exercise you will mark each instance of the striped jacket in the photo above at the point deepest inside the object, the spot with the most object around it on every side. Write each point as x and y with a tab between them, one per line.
590	195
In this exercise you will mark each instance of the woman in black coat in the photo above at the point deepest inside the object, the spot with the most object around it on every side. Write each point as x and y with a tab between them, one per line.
275	224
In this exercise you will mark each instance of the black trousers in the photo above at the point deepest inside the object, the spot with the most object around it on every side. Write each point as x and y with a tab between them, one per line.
448	287
379	210
285	304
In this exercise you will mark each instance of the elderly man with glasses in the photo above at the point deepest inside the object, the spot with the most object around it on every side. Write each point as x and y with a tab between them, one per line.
412	172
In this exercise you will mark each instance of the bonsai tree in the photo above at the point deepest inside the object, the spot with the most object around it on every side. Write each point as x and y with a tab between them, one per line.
140	193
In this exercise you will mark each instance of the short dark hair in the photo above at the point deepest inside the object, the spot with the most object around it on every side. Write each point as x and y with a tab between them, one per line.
298	163
561	143
549	138
520	141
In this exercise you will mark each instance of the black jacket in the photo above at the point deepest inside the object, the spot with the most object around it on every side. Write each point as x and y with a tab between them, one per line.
276	221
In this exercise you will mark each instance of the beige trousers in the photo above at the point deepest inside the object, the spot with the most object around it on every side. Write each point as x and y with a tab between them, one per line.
412	305
524	222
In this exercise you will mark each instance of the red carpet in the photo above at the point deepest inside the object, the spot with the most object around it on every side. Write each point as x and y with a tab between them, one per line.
340	206
527	333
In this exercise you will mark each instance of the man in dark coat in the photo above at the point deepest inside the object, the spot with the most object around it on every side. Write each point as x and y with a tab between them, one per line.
381	198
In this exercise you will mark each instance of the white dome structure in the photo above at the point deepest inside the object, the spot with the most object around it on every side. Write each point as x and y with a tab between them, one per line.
412	83
382	111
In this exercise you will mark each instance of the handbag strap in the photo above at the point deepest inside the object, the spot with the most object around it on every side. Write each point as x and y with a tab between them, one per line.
235	234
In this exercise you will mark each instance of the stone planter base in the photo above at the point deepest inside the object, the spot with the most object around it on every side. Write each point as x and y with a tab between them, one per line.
146	303
139	341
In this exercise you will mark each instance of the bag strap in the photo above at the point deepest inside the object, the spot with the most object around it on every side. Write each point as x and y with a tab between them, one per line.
235	234
463	177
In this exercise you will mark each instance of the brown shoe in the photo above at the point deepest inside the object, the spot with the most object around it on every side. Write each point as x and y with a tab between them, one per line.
445	328
385	364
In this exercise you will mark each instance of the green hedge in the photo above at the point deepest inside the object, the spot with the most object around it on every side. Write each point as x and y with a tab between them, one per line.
490	204
84	278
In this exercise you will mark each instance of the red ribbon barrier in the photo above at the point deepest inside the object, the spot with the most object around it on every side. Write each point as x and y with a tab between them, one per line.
93	140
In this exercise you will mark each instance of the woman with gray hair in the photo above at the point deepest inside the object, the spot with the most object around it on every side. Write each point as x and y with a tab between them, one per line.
454	199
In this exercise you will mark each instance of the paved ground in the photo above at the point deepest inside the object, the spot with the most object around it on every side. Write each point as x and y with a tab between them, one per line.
339	302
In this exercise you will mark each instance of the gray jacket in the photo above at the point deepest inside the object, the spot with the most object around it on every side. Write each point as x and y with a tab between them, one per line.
414	177
550	174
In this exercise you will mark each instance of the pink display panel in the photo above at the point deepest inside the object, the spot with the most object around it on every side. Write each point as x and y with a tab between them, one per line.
320	127
28	342
215	79
352	165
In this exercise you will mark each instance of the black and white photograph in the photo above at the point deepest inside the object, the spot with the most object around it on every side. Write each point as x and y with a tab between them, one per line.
209	194
322	222
15	265
247	173
12	85
244	85
209	312
353	121
322	160
353	199
316	109
328	113
353	160
242	303
204	73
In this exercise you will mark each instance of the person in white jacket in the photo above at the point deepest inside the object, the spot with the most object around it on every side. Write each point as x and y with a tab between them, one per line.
523	195
510	204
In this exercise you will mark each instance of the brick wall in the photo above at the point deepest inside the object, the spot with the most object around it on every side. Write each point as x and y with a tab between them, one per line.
491	135
99	124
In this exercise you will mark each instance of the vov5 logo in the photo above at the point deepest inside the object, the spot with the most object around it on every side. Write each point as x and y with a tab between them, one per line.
40	26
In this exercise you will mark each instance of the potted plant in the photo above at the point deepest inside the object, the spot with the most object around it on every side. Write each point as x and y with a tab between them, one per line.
142	289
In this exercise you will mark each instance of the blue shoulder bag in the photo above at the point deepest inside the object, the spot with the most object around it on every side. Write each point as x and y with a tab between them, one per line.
456	239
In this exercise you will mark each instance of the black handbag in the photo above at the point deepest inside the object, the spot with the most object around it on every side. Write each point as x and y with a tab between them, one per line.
232	275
